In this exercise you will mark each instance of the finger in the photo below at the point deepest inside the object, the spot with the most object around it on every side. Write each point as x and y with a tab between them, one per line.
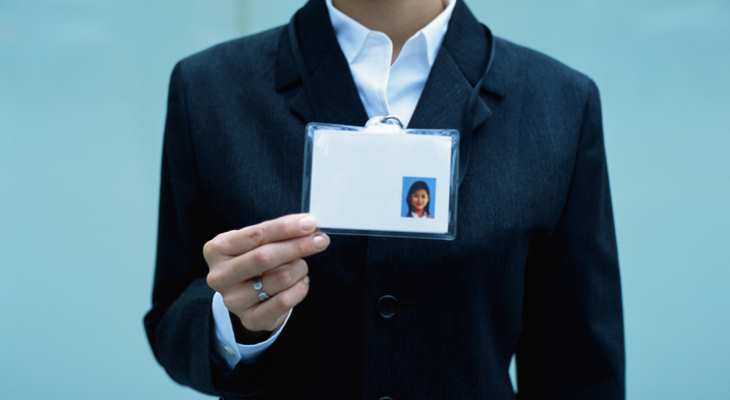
243	296
234	243
266	315
212	250
270	256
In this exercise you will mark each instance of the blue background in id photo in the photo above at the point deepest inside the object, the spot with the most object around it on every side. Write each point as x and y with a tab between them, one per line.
407	182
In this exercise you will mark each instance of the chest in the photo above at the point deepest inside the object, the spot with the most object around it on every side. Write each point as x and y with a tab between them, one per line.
515	184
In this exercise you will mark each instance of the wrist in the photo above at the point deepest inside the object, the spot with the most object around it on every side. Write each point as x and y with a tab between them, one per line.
245	336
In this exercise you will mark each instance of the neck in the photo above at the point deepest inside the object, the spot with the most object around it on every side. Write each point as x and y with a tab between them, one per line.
399	19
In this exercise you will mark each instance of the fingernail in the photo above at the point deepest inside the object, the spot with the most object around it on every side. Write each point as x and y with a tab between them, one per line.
321	240
307	224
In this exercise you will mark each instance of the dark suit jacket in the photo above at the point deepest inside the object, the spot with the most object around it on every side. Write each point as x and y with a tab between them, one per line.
533	270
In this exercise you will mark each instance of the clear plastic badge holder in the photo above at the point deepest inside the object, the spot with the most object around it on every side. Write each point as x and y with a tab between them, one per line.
381	179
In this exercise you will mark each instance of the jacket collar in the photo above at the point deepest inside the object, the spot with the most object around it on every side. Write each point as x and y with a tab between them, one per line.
460	60
331	95
330	85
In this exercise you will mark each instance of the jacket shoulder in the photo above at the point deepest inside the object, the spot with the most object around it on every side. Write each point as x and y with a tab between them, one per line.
540	71
251	57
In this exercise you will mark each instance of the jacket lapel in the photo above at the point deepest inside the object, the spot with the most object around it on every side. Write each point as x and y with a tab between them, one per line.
458	67
330	95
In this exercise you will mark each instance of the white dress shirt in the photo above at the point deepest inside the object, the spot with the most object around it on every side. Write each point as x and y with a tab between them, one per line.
384	89
414	215
387	89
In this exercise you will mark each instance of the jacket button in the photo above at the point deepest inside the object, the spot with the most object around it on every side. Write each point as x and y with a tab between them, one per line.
387	307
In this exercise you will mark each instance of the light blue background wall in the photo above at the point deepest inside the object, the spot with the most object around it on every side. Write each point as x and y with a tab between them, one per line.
82	95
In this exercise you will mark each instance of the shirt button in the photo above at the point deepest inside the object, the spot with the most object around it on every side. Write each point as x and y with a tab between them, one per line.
229	350
387	306
385	398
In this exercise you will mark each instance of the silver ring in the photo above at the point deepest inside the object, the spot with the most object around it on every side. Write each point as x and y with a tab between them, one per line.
258	286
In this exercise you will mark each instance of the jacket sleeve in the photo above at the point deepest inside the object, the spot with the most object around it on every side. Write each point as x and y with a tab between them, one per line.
179	325
572	345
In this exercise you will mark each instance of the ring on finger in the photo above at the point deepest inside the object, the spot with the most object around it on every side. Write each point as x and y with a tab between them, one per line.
258	286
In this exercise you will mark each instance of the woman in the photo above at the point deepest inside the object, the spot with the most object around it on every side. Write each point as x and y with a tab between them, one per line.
419	200
533	271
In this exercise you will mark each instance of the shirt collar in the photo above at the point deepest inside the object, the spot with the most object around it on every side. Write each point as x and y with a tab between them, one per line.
352	35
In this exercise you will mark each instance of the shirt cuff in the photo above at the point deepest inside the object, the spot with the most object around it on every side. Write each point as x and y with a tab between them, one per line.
233	352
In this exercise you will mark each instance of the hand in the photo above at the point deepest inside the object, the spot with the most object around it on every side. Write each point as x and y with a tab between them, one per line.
274	250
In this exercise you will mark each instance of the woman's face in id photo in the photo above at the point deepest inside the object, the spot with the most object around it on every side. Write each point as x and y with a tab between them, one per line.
419	200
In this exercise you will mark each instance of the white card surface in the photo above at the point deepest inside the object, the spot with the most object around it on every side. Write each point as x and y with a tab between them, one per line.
395	182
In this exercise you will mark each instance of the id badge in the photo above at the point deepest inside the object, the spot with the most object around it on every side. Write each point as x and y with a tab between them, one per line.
381	179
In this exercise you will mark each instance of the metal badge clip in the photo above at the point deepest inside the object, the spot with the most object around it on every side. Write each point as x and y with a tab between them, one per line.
384	124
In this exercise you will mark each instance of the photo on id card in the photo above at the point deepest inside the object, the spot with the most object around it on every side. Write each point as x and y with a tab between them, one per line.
360	181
